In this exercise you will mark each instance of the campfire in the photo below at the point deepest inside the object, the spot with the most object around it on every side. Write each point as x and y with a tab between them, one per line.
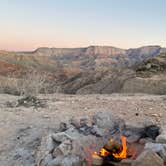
104	140
112	151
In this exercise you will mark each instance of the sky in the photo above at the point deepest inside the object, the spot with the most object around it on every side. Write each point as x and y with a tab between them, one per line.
29	24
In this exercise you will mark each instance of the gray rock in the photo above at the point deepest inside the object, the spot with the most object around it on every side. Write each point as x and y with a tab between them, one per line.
25	157
143	141
61	137
63	127
73	133
81	122
148	158
162	154
133	138
46	160
43	153
50	145
63	149
75	122
56	162
161	139
148	122
158	148
67	161
106	120
97	131
155	147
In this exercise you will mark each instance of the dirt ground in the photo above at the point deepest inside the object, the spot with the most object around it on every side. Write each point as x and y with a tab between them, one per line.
21	128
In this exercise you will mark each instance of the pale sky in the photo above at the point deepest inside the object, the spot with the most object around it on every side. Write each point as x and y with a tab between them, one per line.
28	24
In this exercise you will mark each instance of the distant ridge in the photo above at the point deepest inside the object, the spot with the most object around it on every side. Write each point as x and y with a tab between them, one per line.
93	69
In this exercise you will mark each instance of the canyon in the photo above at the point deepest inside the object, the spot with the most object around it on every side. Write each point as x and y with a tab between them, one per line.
89	70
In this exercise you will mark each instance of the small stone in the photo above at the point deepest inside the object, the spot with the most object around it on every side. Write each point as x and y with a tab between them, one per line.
80	122
161	139
63	127
148	158
63	149
75	122
85	122
97	131
61	137
106	120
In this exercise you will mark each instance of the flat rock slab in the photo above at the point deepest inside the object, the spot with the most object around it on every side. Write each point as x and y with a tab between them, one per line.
148	158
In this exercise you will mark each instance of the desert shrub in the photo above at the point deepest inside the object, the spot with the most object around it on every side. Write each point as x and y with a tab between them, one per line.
9	86
29	85
32	84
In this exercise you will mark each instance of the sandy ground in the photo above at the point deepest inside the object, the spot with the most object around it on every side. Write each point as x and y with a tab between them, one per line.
23	127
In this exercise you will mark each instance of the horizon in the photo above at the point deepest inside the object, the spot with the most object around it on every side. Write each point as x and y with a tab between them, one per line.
82	47
28	25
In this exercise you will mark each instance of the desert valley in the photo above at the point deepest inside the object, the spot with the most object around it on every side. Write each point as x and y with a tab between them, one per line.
83	83
61	106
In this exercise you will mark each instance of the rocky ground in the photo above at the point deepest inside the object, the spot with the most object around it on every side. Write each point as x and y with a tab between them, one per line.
21	128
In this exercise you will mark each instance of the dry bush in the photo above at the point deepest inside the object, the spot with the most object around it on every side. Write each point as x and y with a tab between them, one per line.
29	85
32	84
9	86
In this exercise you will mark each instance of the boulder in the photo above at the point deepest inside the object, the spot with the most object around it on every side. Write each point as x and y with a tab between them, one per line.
67	161
106	120
148	158
160	149
155	147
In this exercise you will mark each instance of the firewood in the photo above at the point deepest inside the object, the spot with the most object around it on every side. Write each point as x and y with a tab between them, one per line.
113	146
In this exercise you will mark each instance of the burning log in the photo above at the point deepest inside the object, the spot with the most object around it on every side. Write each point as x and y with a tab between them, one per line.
113	146
112	151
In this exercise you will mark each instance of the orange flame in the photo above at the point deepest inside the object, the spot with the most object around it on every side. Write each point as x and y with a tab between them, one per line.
103	152
123	153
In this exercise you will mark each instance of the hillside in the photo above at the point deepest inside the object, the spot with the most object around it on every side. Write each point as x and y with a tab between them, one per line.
150	77
93	69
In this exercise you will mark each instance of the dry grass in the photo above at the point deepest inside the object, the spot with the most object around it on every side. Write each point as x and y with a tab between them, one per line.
31	84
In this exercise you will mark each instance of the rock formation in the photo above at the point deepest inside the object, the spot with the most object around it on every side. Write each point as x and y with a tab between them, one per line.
93	69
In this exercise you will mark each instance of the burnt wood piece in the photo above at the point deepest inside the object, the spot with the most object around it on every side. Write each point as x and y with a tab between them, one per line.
113	146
